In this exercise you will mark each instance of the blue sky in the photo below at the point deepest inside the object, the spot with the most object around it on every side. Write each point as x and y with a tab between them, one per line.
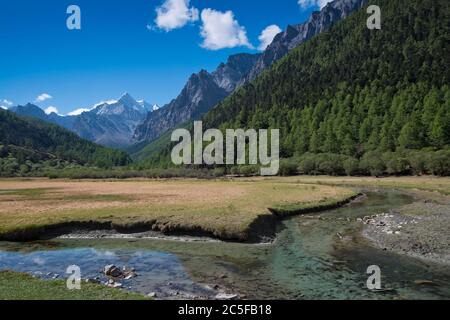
126	46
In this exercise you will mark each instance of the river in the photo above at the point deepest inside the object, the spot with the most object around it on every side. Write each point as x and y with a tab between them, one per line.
319	256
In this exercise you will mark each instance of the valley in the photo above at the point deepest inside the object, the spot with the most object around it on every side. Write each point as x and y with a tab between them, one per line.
173	202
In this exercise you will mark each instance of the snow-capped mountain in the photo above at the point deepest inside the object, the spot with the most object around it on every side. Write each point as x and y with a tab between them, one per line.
125	106
111	123
147	106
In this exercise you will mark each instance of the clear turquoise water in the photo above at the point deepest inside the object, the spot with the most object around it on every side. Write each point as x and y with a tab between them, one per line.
306	261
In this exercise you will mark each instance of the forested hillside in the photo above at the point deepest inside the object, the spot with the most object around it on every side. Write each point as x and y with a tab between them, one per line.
352	90
28	144
358	95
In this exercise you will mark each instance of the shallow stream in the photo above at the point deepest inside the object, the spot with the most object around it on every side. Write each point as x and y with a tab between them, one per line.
319	256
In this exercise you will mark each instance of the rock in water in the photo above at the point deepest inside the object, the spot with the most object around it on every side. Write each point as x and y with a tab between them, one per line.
112	271
425	282
224	296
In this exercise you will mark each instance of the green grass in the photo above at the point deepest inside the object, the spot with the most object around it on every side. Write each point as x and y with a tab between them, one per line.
43	194
98	197
324	204
28	193
19	286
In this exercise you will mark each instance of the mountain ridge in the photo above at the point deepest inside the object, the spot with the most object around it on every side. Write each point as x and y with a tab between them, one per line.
202	91
237	71
294	35
110	123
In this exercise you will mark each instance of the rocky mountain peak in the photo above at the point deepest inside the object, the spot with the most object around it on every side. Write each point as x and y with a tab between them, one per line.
127	99
228	75
294	35
126	106
147	107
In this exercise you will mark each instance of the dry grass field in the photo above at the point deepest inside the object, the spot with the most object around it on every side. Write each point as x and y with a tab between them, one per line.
225	207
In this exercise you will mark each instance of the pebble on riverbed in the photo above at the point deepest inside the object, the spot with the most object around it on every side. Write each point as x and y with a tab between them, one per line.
113	284
95	280
385	223
425	282
418	229
224	296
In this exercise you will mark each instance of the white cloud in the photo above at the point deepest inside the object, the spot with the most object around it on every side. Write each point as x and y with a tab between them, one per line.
50	110
78	111
313	3
220	30
43	97
267	36
6	102
4	108
173	14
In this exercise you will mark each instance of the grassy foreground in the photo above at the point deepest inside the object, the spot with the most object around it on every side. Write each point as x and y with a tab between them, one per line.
19	286
225	208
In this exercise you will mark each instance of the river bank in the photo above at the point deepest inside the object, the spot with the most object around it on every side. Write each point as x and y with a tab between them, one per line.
303	262
420	230
21	286
315	256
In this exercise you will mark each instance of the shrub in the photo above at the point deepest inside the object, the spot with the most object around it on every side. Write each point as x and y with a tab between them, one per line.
351	166
418	161
396	163
307	164
330	164
372	163
288	167
439	163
